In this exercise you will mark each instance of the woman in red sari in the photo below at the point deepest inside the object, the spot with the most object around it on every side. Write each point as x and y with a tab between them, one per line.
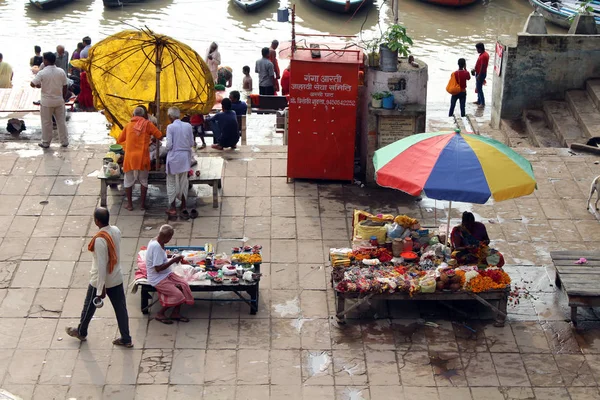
85	97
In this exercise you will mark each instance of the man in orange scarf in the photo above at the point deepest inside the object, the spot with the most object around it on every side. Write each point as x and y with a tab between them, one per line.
135	139
106	279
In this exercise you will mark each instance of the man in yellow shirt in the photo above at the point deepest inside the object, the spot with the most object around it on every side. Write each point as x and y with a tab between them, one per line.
135	139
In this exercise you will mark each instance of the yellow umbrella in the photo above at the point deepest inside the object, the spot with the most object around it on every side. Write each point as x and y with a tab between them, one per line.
140	67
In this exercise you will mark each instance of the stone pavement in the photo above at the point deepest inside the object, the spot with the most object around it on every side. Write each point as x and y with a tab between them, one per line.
293	348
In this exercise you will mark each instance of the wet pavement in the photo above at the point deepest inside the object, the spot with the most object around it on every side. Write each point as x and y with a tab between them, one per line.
293	348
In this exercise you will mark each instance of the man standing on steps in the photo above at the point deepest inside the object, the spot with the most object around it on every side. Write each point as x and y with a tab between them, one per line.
53	82
106	279
480	73
266	74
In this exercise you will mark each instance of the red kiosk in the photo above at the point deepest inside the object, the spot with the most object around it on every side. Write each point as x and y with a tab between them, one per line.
322	112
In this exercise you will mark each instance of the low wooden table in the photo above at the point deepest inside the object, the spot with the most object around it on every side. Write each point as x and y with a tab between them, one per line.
211	173
499	295
251	288
580	282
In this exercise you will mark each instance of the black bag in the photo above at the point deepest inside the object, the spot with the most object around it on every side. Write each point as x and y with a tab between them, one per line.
15	126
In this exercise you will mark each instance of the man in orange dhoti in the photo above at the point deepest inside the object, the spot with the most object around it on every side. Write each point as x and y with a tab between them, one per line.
135	139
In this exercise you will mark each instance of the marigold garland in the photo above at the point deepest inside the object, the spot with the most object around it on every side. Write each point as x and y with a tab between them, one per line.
489	280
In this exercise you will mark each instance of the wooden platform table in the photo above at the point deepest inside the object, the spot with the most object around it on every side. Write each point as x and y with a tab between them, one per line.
580	282
211	173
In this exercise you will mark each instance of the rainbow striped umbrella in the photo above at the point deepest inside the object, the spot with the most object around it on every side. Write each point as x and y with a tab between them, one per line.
454	166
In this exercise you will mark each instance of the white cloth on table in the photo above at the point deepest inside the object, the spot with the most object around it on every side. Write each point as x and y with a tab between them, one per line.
177	186
156	256
180	140
99	276
136	175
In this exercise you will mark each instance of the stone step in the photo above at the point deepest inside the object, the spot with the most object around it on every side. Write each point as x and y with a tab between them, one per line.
563	123
515	134
593	88
585	112
538	131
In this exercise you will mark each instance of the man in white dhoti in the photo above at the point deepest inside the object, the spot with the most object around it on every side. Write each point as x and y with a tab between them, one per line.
180	140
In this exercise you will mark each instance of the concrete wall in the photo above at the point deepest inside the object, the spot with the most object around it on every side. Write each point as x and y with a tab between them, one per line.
542	67
415	79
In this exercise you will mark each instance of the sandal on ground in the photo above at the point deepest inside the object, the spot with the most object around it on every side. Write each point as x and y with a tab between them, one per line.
193	214
74	332
185	214
180	319
166	321
120	342
203	146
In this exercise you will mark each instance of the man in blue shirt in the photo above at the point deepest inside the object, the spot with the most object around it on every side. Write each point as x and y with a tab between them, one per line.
225	127
238	106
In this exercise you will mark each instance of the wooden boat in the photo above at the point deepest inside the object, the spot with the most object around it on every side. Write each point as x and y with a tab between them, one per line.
250	5
342	6
451	3
47	4
561	12
119	3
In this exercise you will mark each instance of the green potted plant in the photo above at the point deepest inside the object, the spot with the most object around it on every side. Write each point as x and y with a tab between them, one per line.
394	42
377	99
373	52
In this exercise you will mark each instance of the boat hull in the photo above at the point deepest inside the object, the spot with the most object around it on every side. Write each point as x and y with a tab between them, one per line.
451	3
48	4
561	17
250	6
119	3
341	6
551	15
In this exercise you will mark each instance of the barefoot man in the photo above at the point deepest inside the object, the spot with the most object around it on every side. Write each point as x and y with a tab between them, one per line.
106	279
135	139
172	290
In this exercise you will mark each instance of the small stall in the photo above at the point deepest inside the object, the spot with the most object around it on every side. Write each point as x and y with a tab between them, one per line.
394	258
206	271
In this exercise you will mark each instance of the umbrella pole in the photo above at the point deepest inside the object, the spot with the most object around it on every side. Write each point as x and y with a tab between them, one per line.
157	100
448	224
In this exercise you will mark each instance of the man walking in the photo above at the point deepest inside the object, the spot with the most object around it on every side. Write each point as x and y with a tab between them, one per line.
53	82
266	74
105	279
480	72
180	140
135	139
62	58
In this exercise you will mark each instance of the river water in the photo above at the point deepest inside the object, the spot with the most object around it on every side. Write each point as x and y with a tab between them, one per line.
440	35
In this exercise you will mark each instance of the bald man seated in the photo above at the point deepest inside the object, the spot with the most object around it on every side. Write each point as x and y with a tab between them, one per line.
172	290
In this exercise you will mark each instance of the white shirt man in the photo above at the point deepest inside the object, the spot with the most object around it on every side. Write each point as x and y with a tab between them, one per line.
53	82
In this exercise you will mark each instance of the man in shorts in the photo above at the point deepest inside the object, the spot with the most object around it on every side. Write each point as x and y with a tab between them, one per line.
135	139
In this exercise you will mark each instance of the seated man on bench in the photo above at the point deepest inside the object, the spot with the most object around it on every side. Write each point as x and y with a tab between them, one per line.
172	290
225	127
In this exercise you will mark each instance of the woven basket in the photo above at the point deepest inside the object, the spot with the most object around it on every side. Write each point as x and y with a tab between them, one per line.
365	229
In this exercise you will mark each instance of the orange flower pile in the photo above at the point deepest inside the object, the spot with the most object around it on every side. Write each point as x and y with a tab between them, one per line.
484	282
461	273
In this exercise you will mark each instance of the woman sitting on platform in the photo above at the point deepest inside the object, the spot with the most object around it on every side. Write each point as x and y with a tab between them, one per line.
470	242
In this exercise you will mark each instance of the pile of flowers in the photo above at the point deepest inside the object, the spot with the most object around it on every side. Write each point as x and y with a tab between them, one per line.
487	279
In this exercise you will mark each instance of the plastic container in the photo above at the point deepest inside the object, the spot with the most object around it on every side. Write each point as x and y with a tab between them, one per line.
374	241
428	285
283	14
388	59
388	102
407	244
116	148
397	247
